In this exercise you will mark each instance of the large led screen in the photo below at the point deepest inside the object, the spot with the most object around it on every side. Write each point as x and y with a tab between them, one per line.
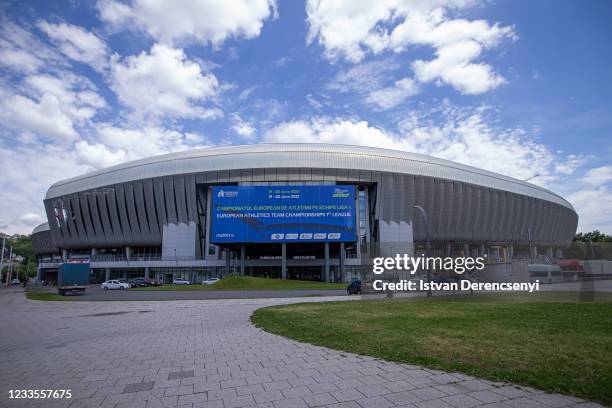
242	214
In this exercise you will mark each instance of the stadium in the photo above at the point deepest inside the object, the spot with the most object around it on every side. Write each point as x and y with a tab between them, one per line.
290	211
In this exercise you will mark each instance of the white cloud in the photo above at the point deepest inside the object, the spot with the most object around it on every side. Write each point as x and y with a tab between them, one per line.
112	144
350	29
164	82
453	66
598	176
29	171
282	61
77	43
19	59
345	27
31	219
370	80
22	52
327	130
570	164
98	155
77	95
389	97
364	77
207	21
44	117
455	134
244	95
593	207
27	174
51	106
242	127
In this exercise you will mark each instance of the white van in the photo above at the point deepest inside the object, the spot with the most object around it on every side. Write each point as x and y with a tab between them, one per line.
545	273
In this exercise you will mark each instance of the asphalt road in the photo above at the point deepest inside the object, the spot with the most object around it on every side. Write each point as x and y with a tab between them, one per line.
94	293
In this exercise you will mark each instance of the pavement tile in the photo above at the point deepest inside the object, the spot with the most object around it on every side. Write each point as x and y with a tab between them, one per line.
374	402
347	395
208	354
437	403
276	385
428	393
193	398
250	389
296	392
487	396
524	402
135	387
511	391
373	390
403	397
317	400
177	375
290	403
461	401
268	396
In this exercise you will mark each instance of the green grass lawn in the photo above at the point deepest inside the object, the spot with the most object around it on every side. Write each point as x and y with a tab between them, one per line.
46	296
251	283
553	345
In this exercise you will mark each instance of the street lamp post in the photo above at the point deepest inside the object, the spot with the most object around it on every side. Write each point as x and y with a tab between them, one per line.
530	245
9	271
428	240
2	256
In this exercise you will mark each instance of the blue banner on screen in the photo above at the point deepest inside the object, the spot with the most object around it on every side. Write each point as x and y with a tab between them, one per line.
283	214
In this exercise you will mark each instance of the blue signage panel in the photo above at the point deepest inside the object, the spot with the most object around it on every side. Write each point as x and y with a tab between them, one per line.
283	214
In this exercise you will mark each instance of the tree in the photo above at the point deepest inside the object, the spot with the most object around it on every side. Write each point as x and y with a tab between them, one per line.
593	236
22	246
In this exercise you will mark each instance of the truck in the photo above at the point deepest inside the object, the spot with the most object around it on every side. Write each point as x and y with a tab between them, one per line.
72	277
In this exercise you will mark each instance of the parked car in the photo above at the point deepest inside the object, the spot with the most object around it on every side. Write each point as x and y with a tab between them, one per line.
180	281
115	284
210	281
354	288
15	282
128	281
156	282
141	282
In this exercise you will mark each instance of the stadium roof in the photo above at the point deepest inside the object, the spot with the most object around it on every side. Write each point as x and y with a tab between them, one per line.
299	155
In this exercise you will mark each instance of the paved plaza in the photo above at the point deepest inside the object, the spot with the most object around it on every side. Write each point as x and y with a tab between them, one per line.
206	353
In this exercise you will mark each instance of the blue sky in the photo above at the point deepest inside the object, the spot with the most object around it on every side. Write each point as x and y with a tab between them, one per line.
516	90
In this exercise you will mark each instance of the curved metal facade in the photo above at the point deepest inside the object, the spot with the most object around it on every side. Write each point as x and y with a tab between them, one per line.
42	242
128	205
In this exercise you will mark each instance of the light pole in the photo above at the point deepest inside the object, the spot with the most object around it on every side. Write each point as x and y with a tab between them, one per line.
9	270
2	257
428	244
530	245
